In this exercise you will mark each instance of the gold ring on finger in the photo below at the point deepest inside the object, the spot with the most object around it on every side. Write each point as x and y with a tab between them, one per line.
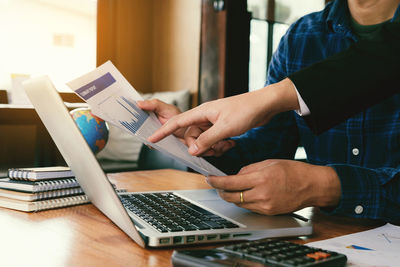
241	197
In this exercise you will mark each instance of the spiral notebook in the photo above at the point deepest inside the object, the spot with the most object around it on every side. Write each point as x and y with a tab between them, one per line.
44	204
29	186
41	173
27	196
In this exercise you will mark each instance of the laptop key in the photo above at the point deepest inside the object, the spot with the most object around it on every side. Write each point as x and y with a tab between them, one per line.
231	225
214	225
188	227
162	229
175	229
199	209
202	226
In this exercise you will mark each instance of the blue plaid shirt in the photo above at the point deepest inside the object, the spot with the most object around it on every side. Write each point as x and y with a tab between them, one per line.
364	150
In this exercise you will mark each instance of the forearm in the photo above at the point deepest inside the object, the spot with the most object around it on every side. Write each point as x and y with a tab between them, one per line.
369	193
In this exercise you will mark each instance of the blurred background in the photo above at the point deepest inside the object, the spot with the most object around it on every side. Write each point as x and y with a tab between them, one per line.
53	37
184	52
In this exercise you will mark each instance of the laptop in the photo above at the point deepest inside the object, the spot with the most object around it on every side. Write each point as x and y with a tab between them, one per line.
153	219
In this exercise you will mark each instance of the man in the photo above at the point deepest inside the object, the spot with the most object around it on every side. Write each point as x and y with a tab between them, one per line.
354	167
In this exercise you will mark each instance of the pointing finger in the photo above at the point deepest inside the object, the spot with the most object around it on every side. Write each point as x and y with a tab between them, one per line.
183	120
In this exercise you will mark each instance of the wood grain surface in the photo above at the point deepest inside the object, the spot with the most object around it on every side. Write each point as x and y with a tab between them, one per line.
83	236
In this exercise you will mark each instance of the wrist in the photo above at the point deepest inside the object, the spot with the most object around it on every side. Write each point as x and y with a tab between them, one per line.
282	96
327	187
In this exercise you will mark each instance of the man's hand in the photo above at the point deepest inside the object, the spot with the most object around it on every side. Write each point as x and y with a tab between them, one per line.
280	186
217	120
165	111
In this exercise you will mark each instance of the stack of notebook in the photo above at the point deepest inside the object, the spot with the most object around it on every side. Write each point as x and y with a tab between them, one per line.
34	189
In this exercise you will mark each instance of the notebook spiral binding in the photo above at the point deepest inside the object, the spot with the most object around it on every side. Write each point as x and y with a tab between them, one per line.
61	202
56	184
53	194
39	173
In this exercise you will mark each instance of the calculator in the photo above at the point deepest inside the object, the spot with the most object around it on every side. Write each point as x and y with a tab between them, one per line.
266	252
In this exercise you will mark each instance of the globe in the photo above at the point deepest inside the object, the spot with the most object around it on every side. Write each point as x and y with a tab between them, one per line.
93	129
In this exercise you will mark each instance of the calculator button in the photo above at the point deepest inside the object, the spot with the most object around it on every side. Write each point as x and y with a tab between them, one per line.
253	248
290	254
293	246
290	262
324	255
298	253
308	250
310	261
276	250
318	255
273	259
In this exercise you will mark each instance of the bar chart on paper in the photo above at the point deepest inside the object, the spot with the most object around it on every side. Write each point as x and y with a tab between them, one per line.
139	116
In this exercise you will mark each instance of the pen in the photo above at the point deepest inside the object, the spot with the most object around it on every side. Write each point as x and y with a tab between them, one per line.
358	247
297	216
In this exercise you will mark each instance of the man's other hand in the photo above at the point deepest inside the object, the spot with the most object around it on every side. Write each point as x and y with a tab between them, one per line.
280	186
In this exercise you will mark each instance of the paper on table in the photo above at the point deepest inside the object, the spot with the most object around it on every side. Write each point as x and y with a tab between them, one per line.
382	244
112	98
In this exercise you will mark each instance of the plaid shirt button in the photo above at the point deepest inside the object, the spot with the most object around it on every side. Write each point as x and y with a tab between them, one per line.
359	209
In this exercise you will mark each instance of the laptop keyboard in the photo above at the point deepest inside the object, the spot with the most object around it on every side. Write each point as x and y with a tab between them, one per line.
170	213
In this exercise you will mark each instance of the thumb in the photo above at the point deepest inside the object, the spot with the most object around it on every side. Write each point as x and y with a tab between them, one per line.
147	105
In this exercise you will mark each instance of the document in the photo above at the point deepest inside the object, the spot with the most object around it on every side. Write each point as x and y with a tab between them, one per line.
112	98
376	247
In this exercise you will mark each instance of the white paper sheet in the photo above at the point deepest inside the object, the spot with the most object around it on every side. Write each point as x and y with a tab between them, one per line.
112	98
381	247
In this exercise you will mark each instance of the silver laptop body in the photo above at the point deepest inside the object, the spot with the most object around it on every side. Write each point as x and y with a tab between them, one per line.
97	187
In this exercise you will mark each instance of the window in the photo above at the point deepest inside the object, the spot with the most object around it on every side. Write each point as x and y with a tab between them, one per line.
51	37
270	21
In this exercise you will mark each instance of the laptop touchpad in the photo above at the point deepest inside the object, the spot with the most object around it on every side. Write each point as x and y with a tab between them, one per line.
210	199
199	195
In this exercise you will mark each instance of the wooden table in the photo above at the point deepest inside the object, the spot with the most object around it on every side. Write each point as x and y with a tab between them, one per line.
83	236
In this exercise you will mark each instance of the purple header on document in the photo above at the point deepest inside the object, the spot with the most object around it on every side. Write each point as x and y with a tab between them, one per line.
98	85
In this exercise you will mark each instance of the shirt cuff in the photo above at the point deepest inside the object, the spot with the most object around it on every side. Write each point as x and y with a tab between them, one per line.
304	110
367	193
